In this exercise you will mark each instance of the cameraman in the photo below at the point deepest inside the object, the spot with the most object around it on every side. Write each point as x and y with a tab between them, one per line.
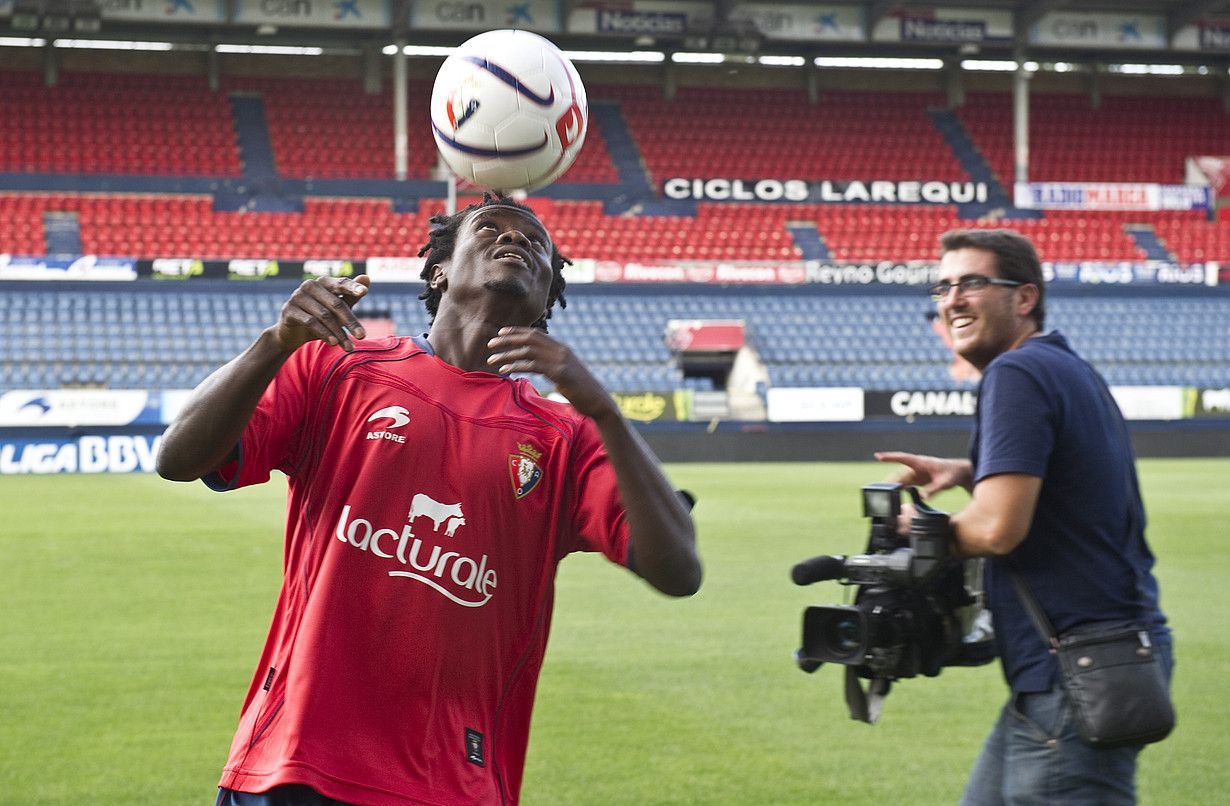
1053	494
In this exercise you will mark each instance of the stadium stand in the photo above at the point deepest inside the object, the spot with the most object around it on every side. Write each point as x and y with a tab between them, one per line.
892	232
1125	139
332	129
102	123
1191	238
779	134
329	129
153	337
716	232
147	226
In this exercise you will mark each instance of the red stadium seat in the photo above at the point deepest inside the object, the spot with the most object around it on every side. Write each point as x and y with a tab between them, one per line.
138	124
1126	139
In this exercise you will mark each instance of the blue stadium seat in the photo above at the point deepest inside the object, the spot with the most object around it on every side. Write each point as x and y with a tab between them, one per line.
136	337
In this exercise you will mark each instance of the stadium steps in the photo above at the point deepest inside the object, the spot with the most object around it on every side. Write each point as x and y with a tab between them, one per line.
1148	241
62	233
260	172
809	240
619	143
967	154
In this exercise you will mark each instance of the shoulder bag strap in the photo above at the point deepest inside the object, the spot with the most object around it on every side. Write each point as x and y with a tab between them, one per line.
1041	623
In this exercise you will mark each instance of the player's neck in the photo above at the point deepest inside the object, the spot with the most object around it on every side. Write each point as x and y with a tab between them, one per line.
463	345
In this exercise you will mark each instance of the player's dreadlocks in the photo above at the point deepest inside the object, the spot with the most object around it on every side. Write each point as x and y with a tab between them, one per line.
443	238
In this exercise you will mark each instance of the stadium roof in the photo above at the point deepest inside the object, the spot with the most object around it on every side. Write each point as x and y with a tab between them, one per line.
728	24
1179	13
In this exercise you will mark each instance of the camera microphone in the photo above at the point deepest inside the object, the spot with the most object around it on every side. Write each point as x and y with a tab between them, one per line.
817	569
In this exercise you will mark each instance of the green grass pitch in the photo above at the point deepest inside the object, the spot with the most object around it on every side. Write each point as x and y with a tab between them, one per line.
134	610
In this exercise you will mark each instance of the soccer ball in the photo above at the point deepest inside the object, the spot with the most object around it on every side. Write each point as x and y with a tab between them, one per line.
508	111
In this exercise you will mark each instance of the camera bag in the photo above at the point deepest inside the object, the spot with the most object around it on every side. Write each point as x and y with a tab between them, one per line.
1113	677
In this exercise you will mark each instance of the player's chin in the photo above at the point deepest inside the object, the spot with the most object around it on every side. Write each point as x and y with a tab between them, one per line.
510	284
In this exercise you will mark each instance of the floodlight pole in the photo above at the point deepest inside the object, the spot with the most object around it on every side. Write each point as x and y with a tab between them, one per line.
401	145
1020	118
213	68
51	63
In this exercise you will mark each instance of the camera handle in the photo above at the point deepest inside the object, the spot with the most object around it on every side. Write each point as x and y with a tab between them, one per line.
921	505
865	706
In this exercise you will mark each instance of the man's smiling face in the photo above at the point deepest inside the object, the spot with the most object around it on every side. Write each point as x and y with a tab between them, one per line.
986	322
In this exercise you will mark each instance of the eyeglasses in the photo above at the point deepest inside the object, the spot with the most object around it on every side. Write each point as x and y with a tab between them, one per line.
967	285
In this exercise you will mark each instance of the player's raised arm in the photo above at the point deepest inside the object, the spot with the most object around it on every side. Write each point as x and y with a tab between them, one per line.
663	537
206	432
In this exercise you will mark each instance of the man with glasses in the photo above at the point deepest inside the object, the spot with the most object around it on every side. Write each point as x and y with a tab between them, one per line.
1054	497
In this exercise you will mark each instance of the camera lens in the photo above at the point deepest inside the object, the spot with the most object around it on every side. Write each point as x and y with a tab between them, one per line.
844	635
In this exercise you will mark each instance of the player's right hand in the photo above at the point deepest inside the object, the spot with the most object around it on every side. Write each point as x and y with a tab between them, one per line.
320	309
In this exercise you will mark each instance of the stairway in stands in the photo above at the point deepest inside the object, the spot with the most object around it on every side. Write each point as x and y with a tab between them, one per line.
976	166
260	172
627	157
62	233
1144	236
808	239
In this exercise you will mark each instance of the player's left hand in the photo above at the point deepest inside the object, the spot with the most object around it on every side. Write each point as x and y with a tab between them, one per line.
528	349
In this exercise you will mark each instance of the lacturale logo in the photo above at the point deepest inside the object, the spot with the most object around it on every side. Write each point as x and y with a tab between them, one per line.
397	417
422	558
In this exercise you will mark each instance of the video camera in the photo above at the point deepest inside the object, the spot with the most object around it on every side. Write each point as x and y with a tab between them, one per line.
917	609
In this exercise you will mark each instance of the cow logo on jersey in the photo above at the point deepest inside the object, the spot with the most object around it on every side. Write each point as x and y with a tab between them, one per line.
449	514
397	417
418	547
524	469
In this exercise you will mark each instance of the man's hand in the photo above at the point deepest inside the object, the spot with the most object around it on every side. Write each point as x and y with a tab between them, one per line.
931	473
528	349
321	309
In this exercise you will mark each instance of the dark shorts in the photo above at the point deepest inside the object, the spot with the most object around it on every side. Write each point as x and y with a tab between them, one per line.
285	795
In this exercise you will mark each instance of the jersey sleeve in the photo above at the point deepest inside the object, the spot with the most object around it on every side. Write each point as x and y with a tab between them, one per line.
599	521
1016	431
274	436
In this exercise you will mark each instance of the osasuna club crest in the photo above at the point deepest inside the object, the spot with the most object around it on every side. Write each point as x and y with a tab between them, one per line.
524	470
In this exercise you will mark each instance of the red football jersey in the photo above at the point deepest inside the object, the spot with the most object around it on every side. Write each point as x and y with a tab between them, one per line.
428	509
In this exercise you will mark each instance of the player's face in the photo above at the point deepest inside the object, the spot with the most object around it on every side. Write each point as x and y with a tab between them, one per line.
506	251
986	322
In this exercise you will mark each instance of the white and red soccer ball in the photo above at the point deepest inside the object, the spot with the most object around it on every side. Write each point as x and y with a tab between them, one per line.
508	111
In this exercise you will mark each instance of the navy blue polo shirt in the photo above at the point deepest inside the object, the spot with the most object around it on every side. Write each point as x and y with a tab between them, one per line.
1044	411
